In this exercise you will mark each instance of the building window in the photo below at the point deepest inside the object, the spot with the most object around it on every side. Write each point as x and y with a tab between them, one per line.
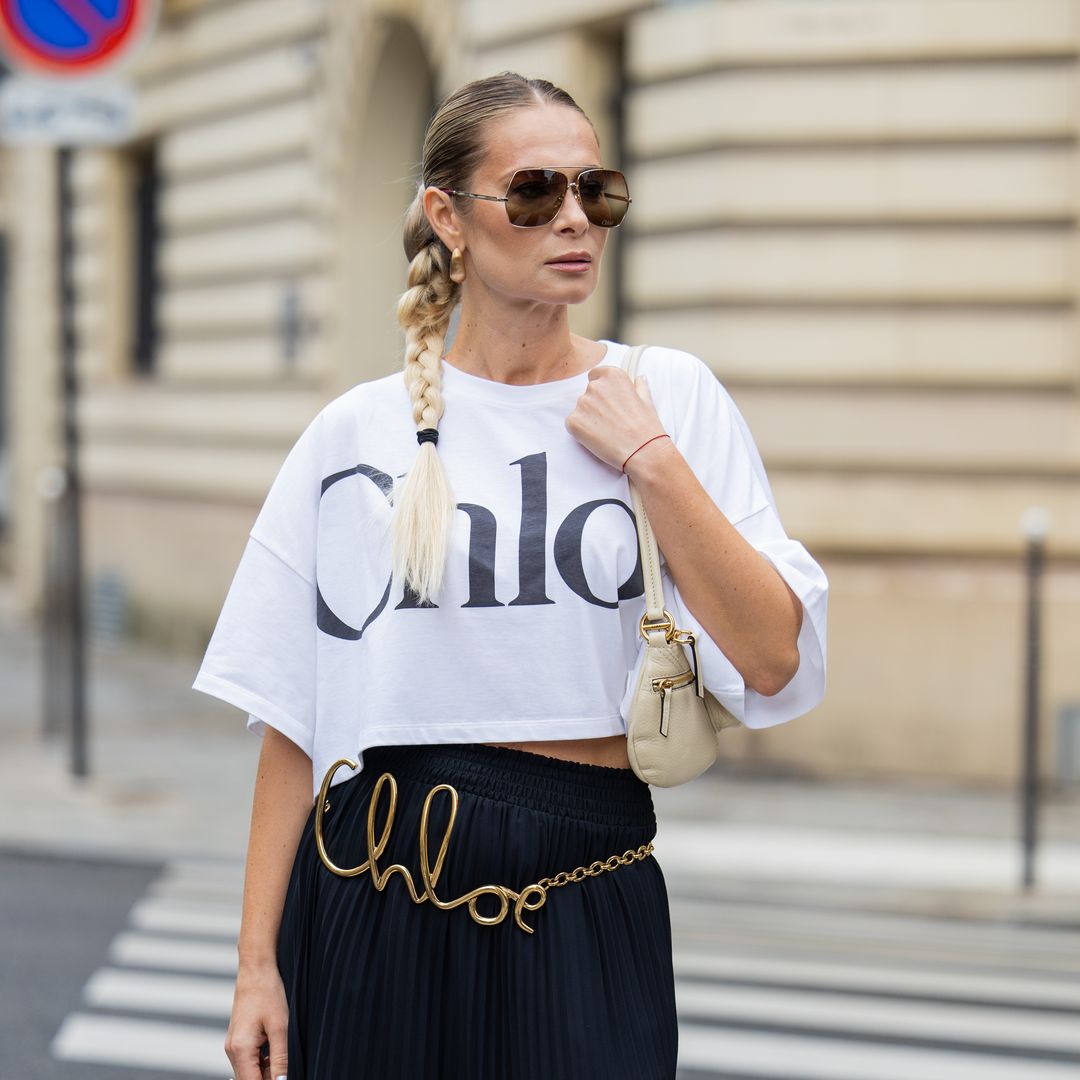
145	242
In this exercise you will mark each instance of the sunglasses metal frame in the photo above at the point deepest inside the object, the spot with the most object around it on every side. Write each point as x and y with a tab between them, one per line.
571	185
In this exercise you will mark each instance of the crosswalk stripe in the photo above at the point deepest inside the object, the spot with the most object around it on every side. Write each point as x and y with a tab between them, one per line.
927	982
987	1026
204	869
186	916
192	889
751	943
136	949
149	1044
723	1052
871	925
202	864
850	857
142	991
182	880
824	932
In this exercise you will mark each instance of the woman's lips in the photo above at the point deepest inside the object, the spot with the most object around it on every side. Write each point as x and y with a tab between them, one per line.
578	266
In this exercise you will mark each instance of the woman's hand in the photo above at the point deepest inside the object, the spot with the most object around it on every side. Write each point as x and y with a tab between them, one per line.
614	416
260	1013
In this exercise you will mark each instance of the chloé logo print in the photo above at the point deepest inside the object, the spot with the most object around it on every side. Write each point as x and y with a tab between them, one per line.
483	529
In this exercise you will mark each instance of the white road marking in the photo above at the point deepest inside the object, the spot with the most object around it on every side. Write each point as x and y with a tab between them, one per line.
922	981
800	1057
147	1044
133	948
142	991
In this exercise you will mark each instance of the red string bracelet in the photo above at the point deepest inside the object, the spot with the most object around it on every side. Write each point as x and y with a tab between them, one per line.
662	435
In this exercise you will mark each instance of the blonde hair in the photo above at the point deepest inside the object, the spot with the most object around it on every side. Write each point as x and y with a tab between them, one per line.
454	146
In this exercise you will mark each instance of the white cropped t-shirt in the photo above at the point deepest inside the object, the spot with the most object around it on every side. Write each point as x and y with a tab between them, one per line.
535	635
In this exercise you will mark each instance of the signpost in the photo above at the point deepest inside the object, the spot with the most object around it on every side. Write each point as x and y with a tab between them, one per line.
1035	522
68	91
68	56
73	38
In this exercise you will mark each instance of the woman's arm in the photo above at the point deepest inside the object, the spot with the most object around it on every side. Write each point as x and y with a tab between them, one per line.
280	807
736	594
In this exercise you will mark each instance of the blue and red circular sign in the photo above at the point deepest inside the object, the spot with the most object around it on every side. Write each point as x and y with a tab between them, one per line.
72	37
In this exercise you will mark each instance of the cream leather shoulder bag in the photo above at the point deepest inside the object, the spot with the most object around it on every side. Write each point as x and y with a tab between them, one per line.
674	721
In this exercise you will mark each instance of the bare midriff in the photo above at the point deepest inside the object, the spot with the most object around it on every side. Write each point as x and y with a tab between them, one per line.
608	750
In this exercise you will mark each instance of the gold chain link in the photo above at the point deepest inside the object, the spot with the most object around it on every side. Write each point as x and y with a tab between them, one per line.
597	867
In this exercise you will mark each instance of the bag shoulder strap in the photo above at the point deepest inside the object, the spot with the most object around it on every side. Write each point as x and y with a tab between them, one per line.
650	557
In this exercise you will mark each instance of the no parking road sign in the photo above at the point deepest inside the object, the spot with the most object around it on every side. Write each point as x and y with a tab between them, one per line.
67	53
72	37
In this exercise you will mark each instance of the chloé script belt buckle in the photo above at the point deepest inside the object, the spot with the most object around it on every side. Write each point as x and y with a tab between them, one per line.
529	898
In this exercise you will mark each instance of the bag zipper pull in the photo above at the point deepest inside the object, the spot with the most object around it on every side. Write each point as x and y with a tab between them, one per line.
687	637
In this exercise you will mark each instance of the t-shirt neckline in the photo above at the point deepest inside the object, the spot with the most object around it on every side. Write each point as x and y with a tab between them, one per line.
530	394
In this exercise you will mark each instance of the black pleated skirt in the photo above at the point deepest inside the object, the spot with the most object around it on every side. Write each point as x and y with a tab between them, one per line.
381	987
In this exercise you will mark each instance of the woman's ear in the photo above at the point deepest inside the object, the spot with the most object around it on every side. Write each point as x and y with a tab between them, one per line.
439	208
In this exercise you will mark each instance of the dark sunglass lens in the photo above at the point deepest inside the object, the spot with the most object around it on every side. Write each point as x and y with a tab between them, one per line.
604	196
534	196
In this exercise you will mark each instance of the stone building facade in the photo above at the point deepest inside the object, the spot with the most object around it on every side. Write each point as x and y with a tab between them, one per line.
861	214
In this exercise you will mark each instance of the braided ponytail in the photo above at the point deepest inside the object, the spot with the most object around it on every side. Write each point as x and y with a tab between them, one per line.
424	509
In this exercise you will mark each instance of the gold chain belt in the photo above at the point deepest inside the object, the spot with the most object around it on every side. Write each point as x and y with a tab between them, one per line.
536	893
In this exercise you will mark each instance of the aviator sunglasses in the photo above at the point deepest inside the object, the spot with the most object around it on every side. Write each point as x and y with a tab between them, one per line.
534	196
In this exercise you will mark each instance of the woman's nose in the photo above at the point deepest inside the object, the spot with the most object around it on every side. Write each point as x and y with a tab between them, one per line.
575	202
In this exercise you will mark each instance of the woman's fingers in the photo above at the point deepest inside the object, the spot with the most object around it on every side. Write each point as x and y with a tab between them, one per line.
257	1041
279	1051
246	1057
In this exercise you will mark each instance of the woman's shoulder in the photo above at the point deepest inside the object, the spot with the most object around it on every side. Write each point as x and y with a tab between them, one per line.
676	367
372	400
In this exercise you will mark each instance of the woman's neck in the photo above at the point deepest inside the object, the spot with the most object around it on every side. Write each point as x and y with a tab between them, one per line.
520	356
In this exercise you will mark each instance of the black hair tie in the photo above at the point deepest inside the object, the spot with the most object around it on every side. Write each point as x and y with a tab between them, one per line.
428	434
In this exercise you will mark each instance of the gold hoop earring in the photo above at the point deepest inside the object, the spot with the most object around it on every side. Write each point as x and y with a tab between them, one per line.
457	266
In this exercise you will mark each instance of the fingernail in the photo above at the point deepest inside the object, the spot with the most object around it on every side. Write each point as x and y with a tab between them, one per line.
282	1077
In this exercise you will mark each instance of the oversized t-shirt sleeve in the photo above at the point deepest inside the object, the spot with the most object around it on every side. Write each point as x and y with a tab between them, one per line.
713	436
261	656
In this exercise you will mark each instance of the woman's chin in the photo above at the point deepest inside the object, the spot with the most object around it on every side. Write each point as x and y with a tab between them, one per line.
572	292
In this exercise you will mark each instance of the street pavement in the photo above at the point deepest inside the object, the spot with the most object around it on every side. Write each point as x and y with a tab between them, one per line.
822	930
143	986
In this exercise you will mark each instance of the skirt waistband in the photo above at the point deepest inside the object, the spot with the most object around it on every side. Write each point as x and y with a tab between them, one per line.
598	793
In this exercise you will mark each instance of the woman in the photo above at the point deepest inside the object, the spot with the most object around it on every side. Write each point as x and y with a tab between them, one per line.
434	627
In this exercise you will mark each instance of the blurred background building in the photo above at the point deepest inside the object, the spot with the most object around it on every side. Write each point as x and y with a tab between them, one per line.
861	213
